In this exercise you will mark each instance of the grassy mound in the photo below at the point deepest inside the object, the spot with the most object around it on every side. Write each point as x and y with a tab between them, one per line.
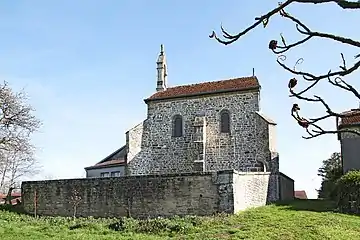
302	219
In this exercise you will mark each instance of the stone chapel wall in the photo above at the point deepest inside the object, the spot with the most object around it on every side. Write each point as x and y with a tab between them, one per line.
134	140
238	150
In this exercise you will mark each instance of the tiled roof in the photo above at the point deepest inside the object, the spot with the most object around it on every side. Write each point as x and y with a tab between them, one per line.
116	158
108	163
300	194
111	162
236	84
15	201
352	117
13	195
266	118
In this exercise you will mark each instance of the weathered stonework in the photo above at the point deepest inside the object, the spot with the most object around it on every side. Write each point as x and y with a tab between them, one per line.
250	141
286	187
252	190
152	195
134	140
350	150
181	160
345	135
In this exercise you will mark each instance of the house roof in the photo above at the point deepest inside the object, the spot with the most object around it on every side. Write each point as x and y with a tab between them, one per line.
15	200
266	118
13	195
352	118
300	194
230	85
114	159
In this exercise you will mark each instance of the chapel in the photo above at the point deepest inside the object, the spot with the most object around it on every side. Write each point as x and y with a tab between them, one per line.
208	126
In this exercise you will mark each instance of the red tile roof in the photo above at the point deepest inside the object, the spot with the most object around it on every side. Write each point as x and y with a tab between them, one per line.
13	195
352	117
111	162
236	84
108	163
15	201
300	194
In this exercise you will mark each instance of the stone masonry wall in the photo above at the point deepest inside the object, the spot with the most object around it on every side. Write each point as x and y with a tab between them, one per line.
265	145
350	150
137	196
286	188
346	135
254	190
161	153
133	140
151	196
272	138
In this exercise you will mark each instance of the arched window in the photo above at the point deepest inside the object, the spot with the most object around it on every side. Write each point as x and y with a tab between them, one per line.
224	121
260	166
177	126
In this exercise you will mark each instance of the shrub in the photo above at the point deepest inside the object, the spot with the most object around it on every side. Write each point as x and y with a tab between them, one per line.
11	208
348	187
156	225
165	225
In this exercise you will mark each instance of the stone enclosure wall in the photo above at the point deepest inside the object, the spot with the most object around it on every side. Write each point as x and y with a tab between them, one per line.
151	196
286	187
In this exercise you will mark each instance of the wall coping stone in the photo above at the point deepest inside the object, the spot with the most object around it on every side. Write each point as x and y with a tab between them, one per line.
285	176
172	175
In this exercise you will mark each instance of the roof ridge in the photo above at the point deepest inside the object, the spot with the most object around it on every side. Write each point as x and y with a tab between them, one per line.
112	154
351	117
206	88
212	81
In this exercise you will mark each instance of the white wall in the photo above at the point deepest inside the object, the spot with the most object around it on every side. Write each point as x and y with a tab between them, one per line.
250	190
91	173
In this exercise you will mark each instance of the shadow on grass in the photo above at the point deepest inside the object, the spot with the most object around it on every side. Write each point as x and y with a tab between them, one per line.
10	208
314	205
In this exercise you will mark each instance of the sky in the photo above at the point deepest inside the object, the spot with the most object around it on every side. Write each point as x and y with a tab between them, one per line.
87	66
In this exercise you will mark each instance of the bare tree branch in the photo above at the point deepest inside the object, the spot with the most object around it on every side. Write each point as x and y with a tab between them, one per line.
335	78
288	47
17	123
259	20
338	82
310	33
341	3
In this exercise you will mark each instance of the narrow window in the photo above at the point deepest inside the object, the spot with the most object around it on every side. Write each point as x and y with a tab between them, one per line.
224	121
177	126
104	174
115	174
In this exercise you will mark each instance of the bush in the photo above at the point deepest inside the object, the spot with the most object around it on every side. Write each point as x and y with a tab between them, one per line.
165	225
11	208
157	225
348	187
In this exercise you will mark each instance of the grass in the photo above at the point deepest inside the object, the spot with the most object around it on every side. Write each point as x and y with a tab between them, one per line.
301	219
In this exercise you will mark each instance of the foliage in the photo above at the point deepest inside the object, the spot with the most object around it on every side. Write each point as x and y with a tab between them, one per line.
349	192
331	168
302	219
330	172
333	77
350	179
17	123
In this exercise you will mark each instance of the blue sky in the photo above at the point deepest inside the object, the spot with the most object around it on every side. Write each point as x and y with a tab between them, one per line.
87	66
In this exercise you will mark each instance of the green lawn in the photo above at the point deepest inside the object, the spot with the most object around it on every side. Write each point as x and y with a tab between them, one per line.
306	219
